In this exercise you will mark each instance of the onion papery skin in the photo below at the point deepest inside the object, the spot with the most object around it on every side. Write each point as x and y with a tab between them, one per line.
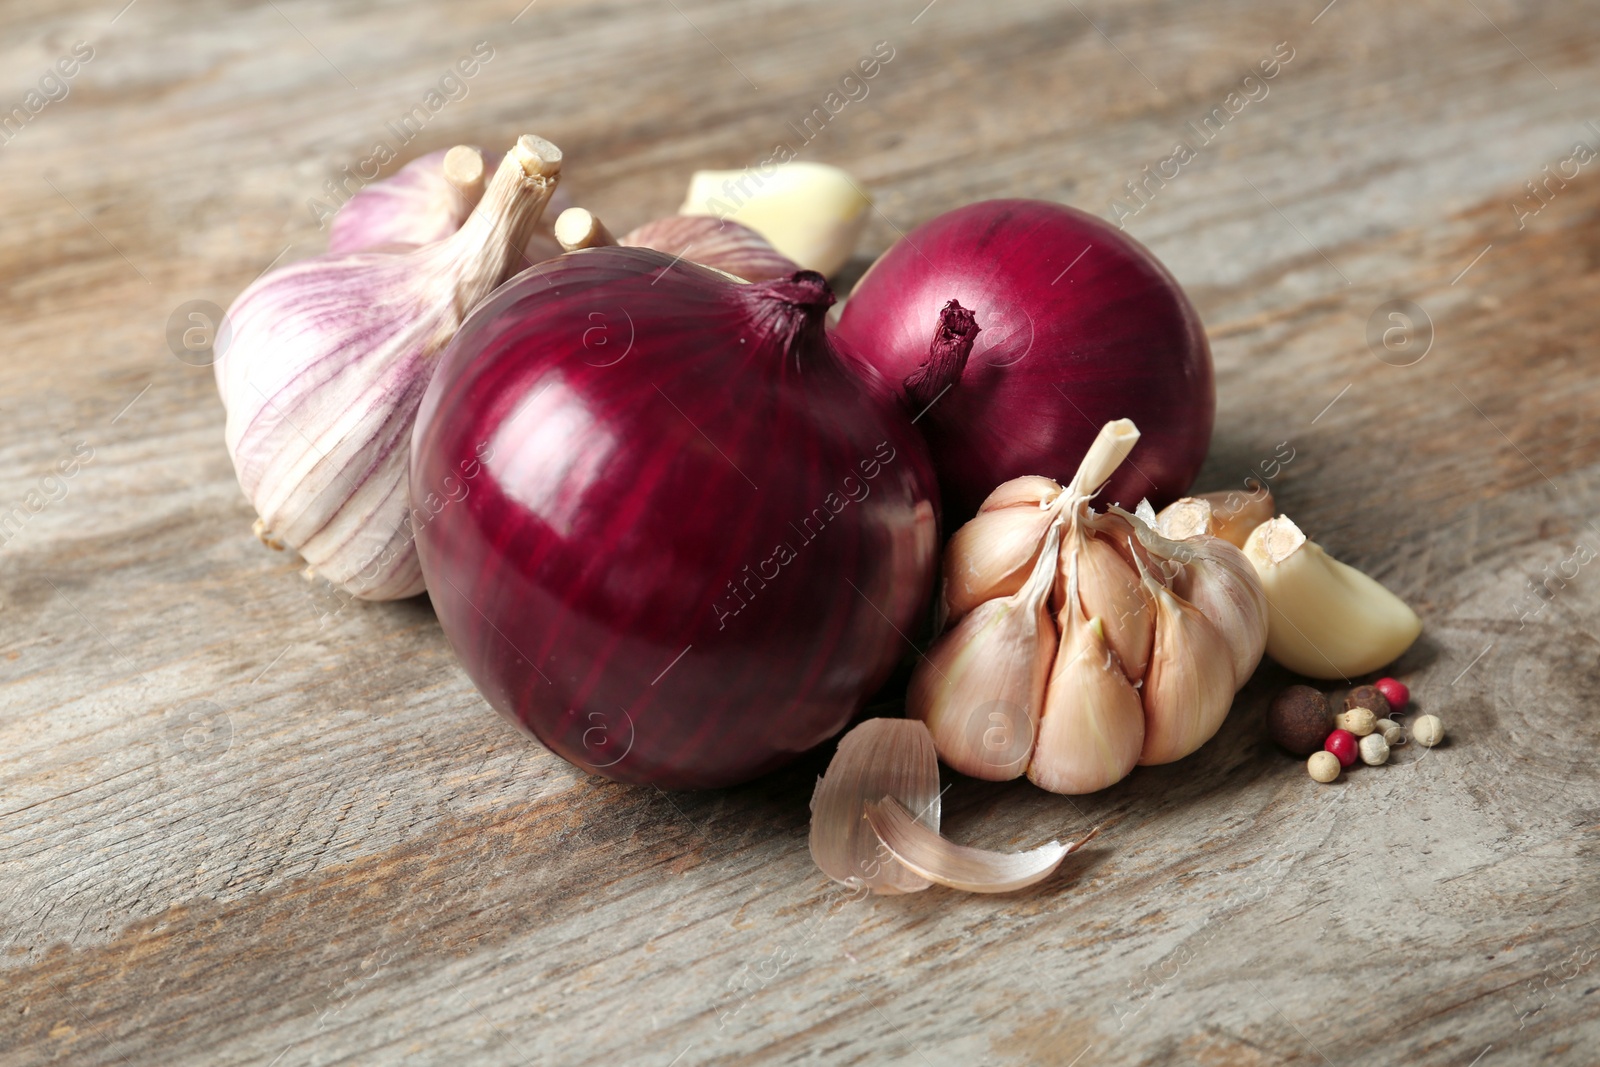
1066	344
650	432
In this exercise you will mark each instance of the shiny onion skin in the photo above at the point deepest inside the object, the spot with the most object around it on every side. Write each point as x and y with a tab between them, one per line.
1066	344
671	533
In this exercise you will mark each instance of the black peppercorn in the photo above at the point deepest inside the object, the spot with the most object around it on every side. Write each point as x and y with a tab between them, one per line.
1299	720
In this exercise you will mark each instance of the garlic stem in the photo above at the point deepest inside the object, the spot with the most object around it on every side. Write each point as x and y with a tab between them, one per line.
489	244
577	228
464	169
1111	446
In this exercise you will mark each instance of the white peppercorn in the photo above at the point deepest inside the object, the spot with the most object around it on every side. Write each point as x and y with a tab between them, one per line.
1428	730
1358	720
1323	766
1374	750
1393	733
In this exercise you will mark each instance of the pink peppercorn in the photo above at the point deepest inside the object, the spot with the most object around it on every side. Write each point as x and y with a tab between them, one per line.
1395	692
1343	743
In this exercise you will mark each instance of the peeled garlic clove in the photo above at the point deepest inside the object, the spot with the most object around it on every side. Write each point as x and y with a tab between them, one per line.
1217	579
811	213
1189	687
1092	730
981	686
1327	619
974	870
878	758
726	245
1229	515
327	366
991	556
426	201
1110	590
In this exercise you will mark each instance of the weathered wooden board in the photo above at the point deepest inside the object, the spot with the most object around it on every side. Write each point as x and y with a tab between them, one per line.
240	823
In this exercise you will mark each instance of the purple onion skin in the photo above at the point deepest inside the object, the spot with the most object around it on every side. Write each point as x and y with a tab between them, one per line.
649	431
1067	344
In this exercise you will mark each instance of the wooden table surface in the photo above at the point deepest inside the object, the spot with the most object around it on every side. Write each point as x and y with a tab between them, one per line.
242	825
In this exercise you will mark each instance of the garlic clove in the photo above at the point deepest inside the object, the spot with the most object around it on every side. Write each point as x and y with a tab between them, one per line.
327	366
723	244
1217	579
1327	619
991	556
1189	687
811	213
1091	731
1110	590
1032	490
973	870
981	685
878	758
1229	515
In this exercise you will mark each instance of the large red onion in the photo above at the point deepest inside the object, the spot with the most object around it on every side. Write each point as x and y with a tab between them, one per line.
1078	325
664	526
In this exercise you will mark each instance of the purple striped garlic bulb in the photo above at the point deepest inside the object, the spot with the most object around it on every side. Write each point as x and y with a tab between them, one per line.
327	366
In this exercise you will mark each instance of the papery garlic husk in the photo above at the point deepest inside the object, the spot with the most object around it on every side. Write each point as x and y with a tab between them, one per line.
1091	732
729	246
973	870
1109	590
426	201
1189	687
993	553
328	363
1327	619
811	213
980	688
1217	579
1230	515
878	758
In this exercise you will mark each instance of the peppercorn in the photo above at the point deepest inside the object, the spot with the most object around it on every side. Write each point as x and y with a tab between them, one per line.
1298	720
1369	697
1323	766
1393	733
1428	731
1359	721
1342	743
1394	692
1374	750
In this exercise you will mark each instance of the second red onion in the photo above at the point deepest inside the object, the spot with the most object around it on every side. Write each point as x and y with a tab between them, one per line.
1078	324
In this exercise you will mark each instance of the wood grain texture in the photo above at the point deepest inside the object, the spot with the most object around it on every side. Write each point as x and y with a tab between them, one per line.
242	822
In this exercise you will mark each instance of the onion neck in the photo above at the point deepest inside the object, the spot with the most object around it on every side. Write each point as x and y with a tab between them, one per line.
947	356
789	311
488	247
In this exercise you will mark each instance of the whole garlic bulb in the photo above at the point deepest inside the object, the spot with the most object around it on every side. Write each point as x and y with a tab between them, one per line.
1155	635
425	201
327	367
